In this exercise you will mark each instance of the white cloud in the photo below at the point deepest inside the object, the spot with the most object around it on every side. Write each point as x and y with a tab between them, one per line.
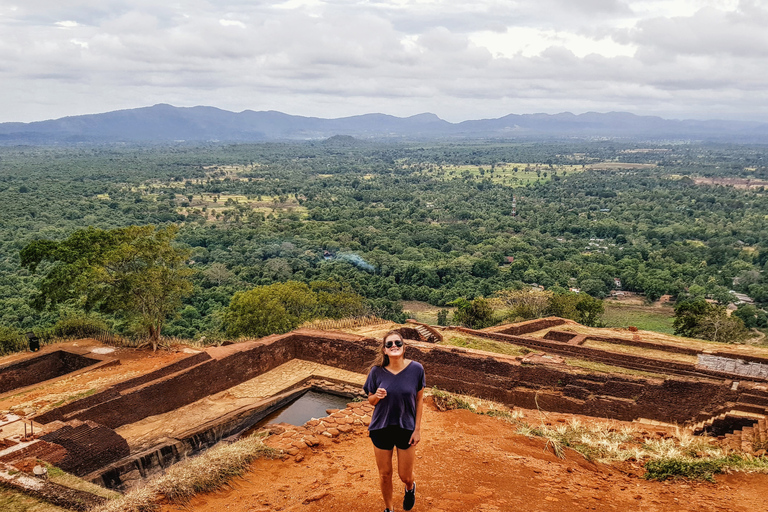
458	58
232	23
67	24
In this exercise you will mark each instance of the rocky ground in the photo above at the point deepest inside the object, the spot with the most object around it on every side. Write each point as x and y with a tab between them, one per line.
466	462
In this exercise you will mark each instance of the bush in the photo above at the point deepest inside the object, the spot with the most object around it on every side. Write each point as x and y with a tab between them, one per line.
11	340
475	314
79	326
704	469
445	401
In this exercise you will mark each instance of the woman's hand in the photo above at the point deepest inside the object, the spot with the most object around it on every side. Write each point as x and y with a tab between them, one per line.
377	396
415	437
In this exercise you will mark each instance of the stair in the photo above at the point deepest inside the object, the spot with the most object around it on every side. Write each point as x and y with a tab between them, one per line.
89	446
752	440
426	333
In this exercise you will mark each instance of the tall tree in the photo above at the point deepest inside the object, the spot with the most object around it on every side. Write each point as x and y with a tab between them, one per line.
135	271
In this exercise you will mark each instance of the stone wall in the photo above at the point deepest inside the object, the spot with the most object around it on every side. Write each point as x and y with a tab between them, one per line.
494	377
748	369
612	358
61	413
529	326
41	368
89	446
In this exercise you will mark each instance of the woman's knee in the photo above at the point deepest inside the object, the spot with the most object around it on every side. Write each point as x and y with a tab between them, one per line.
385	473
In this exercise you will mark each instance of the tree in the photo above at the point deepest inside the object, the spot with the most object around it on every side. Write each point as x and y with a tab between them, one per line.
751	316
271	309
687	314
134	271
577	306
475	314
218	274
337	300
526	303
697	318
718	326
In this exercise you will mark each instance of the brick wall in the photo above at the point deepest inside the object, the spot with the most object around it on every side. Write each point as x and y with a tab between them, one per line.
41	368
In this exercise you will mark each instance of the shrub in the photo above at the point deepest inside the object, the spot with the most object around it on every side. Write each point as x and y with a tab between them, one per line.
475	314
79	326
703	469
11	340
445	401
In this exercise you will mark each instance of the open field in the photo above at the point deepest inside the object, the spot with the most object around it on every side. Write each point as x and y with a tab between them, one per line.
425	312
743	183
646	318
516	174
619	166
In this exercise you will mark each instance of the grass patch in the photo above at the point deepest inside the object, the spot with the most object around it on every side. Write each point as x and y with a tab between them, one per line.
701	469
71	398
12	501
208	472
607	368
704	469
498	347
645	318
638	351
445	401
58	476
594	442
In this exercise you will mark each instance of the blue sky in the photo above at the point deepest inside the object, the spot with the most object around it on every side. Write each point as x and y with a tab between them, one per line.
459	59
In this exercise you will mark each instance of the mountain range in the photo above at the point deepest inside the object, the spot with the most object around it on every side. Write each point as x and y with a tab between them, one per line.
165	123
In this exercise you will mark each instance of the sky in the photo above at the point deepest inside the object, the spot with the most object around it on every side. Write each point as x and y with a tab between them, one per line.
459	59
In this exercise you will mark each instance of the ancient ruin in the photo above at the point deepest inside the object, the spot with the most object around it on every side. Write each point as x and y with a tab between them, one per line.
134	429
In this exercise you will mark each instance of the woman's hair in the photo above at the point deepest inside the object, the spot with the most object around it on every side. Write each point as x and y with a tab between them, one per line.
382	359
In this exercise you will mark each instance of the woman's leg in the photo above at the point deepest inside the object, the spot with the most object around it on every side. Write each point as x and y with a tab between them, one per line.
405	462
384	463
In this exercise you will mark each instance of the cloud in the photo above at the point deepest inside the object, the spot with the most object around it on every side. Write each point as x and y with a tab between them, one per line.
331	58
710	31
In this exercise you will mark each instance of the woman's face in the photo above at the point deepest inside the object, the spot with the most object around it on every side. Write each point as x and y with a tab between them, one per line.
394	350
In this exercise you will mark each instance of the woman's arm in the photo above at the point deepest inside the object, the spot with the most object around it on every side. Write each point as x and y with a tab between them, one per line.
376	397
416	436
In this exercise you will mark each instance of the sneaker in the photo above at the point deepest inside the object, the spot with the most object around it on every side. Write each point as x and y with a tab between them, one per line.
388	510
410	498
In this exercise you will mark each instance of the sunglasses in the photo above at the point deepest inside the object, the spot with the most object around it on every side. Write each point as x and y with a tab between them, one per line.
388	344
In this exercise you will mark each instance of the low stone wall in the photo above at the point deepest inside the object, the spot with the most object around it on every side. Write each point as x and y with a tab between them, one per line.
735	366
65	411
529	326
592	354
49	492
42	367
493	377
561	336
131	471
645	344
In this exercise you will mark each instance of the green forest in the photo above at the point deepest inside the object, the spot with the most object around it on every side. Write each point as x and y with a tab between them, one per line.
354	227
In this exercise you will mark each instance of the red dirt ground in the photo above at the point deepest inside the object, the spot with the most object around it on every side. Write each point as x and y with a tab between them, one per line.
469	462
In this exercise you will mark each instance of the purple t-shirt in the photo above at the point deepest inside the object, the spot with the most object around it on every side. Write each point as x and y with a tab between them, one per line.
398	408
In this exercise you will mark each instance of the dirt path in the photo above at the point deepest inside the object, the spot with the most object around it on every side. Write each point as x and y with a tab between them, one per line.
468	462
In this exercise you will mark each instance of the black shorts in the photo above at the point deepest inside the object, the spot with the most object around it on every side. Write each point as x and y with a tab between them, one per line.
388	437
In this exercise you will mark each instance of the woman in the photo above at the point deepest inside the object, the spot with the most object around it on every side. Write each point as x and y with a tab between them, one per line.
395	386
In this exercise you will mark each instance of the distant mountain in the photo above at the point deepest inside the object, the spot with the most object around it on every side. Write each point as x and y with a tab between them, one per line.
166	123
